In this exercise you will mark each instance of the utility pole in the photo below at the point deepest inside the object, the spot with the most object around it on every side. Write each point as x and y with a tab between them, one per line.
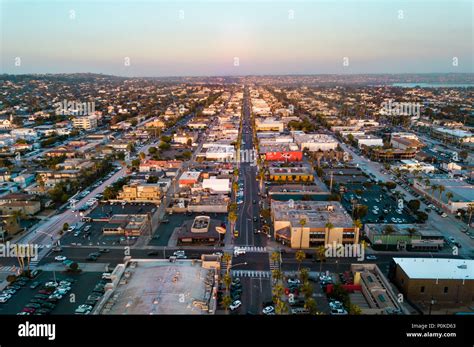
330	182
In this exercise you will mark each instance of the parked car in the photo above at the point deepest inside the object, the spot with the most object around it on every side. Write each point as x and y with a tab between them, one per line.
235	305
268	310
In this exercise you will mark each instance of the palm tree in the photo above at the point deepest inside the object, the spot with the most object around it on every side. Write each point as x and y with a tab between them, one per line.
311	306
235	187
232	219
281	307
304	275
226	302
411	231
441	189
307	290
388	230
470	210
300	256
278	291
227	257
277	275
302	223
329	226
321	256
449	195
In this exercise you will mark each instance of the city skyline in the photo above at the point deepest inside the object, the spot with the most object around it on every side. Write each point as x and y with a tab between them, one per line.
235	38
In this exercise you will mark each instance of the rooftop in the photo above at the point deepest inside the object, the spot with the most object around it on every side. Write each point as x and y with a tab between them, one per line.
437	268
161	287
316	213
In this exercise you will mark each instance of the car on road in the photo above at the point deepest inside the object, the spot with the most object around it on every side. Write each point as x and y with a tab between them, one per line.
60	258
239	251
5	297
371	257
35	284
235	305
268	310
294	281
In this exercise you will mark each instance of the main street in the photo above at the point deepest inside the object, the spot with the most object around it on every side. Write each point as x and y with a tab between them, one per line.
253	265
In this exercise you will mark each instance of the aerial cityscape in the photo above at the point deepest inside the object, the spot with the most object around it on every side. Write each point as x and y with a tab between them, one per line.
236	158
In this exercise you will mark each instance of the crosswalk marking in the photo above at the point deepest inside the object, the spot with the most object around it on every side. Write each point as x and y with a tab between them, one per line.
11	268
254	249
251	273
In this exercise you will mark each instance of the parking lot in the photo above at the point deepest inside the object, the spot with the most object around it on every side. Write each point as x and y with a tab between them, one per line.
163	234
382	206
81	285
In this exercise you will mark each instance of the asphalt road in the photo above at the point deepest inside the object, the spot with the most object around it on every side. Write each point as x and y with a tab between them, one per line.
256	290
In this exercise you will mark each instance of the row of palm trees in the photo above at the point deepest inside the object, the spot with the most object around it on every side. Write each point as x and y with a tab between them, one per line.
440	188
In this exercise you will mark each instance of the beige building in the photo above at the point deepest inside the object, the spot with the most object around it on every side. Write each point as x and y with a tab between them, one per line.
141	193
85	122
324	222
438	282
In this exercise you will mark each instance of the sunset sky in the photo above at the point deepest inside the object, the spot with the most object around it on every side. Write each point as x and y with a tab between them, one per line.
264	36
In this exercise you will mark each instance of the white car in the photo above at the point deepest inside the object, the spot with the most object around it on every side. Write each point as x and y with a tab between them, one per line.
5	298
51	284
238	251
293	281
235	305
444	215
60	258
338	311
268	310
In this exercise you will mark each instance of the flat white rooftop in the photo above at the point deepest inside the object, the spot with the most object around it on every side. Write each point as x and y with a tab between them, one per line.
437	268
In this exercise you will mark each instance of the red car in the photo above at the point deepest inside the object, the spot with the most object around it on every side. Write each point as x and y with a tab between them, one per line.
29	310
44	291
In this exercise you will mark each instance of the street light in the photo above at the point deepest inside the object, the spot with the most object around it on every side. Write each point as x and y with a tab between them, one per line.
432	302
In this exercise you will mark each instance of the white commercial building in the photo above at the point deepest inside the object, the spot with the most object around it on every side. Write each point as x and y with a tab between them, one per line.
368	140
315	142
220	152
415	165
216	185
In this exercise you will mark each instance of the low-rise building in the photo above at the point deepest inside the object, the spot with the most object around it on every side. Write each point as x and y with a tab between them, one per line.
315	142
456	193
141	193
434	283
411	237
189	178
291	174
415	165
268	124
309	224
85	122
368	140
185	286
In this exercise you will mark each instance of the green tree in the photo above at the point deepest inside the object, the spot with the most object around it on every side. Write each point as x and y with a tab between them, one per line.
300	256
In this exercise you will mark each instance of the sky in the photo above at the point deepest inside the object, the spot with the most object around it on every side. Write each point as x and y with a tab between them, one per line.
236	37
